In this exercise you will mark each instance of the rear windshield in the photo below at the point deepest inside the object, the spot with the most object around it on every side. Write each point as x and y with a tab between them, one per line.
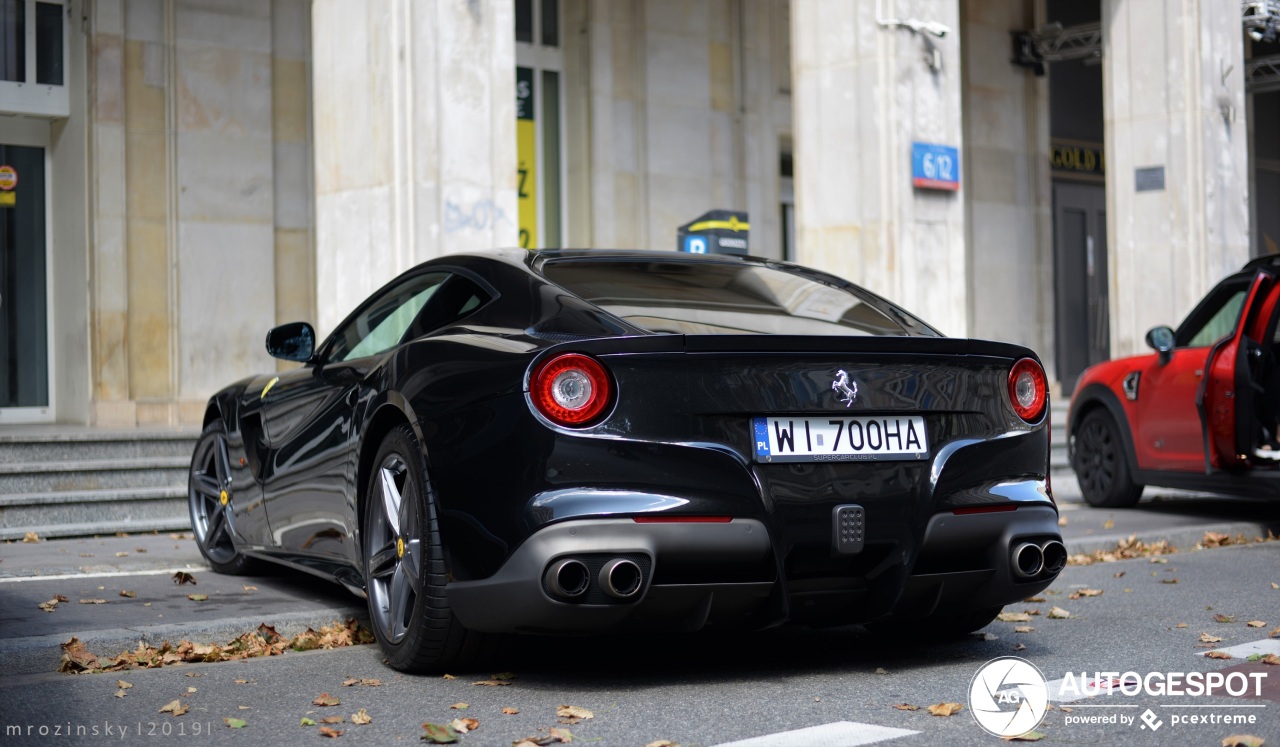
731	298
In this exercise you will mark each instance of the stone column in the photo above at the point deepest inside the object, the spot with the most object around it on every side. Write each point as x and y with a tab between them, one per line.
414	137
1177	155
862	93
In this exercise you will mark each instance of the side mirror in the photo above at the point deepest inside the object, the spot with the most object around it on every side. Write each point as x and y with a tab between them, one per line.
1160	339
295	341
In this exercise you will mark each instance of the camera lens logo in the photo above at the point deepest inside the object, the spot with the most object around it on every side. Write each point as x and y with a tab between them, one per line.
1008	696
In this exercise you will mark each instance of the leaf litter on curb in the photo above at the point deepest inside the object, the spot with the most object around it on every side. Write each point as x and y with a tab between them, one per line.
464	725
1057	613
439	734
325	699
573	714
265	641
361	717
175	707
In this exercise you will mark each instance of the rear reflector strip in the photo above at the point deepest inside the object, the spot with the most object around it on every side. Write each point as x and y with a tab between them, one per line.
983	509
682	519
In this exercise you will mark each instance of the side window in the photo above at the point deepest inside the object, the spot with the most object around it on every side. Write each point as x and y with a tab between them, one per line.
455	299
1216	317
381	325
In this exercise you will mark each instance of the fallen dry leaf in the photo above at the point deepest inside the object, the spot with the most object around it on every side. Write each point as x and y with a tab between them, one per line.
128	594
1180	625
510	711
182	577
1168	580
326	731
1062	521
1078	593
1274	634
1274	585
31	537
235	723
361	717
1224	618
1218	655
881	670
460	706
945	709
1207	638
492	683
1118	575
176	707
1256	624
1031	736
1109	524
122	555
464	725
1242	740
332	720
249	588
198	597
306	722
123	685
1020	647
573	714
662	743
50	605
1057	613
325	699
1023	629
439	734
906	707
121	693
1013	617
1034	600
93	601
447	676
1272	659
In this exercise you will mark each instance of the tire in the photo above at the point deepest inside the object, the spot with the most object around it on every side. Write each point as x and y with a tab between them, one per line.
404	565
211	501
1102	465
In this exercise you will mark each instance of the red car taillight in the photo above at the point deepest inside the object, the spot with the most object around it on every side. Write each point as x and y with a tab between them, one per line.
1028	389
570	389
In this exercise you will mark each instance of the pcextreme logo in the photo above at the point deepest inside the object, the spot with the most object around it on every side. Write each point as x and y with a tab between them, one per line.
1008	696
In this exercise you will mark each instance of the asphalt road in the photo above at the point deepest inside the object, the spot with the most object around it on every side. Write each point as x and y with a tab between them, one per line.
692	690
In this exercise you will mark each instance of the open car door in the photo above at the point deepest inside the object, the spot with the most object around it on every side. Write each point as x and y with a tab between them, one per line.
1237	399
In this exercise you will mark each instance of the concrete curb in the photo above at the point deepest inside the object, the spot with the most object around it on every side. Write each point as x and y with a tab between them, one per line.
40	654
1183	538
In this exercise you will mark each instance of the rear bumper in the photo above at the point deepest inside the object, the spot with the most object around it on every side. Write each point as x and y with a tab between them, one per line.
515	598
726	573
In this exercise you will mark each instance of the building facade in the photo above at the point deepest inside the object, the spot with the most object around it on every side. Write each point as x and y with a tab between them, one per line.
176	176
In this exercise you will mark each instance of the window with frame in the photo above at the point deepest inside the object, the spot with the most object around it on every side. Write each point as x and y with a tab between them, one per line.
1215	318
34	57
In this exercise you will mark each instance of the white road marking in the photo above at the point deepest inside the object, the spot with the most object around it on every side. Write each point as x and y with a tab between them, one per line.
837	734
1245	650
105	574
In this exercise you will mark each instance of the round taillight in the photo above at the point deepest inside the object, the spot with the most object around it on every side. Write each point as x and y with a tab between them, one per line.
1028	389
570	389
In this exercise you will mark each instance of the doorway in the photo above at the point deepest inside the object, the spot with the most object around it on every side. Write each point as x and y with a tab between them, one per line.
1082	334
25	385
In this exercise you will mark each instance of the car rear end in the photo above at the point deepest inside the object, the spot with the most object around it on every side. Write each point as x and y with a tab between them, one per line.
699	475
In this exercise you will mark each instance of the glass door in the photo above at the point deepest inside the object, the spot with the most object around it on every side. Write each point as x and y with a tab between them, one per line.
24	293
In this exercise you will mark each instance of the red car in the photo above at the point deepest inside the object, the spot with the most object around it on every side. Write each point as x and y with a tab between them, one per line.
1200	413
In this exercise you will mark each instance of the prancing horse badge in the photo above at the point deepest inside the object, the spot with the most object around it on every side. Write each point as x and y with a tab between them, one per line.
848	391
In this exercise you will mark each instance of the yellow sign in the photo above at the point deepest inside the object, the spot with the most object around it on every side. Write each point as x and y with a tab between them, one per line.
8	199
527	154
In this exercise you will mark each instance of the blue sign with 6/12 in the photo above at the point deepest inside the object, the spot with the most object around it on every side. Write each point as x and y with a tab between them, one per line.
935	166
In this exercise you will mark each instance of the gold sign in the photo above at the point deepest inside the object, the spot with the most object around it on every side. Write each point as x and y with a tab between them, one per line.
1077	158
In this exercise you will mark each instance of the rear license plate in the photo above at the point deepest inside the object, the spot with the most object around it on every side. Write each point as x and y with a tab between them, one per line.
828	439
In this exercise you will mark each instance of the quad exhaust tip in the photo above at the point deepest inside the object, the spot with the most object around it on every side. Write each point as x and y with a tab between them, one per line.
568	578
1054	554
1028	560
621	578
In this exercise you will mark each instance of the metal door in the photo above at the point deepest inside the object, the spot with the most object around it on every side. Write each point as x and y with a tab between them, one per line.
1082	332
24	298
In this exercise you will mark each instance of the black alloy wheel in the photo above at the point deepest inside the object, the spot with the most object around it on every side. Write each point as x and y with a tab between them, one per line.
210	499
405	574
1101	465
